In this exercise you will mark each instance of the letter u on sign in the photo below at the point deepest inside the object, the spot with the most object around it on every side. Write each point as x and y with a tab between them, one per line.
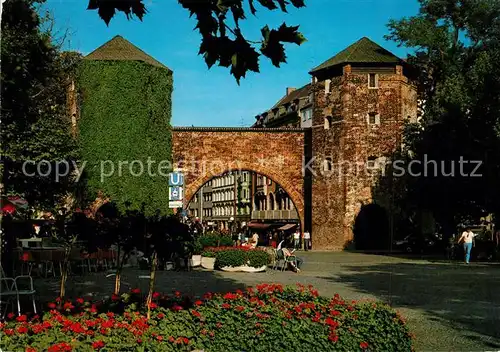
176	179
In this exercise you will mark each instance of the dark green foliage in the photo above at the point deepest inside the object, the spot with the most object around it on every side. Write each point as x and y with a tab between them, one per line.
221	43
238	256
457	50
215	239
35	123
125	117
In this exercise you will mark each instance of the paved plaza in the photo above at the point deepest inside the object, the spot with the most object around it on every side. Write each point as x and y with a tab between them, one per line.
449	306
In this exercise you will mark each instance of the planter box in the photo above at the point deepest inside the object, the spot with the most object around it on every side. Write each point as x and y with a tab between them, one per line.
207	263
196	260
244	268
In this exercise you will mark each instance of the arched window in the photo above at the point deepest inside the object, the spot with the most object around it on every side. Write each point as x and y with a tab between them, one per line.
271	201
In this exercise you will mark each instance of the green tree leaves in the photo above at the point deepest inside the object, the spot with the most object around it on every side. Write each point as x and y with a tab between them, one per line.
35	124
222	41
272	47
456	46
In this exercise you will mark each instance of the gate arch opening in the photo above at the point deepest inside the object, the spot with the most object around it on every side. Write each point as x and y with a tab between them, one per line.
256	203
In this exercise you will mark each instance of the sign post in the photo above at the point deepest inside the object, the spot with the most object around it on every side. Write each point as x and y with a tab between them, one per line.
175	190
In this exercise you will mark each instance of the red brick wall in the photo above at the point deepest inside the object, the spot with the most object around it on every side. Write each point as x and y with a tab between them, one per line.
203	153
337	197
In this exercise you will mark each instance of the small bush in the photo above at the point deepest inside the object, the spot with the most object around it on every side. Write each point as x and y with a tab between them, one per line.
215	239
266	318
238	256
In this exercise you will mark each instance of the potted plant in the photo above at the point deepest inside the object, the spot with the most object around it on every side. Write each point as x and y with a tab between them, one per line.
196	257
208	259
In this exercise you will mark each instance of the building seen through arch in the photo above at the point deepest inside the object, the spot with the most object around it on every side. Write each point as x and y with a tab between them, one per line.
242	199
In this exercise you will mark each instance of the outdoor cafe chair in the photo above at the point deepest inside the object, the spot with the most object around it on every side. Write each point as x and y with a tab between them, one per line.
14	288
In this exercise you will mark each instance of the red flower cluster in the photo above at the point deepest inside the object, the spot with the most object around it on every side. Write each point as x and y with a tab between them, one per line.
60	347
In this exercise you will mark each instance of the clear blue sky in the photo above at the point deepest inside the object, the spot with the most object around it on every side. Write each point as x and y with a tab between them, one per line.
205	97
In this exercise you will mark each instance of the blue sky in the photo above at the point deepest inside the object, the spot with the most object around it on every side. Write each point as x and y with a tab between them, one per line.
205	97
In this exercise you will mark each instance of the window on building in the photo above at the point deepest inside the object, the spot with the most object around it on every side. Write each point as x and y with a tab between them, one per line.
328	122
373	118
306	114
372	80
327	86
327	164
371	163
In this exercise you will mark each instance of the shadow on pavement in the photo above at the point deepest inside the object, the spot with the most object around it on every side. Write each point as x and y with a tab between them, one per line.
465	298
98	286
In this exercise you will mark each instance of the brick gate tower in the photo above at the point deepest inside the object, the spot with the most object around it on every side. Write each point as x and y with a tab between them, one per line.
361	98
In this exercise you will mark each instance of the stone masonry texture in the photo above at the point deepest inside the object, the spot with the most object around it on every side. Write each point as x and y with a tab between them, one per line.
202	153
337	195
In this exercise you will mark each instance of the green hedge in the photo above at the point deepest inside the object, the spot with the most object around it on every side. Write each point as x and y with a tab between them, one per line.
125	117
238	256
215	239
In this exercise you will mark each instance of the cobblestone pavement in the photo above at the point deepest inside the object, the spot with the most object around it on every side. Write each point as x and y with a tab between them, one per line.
449	306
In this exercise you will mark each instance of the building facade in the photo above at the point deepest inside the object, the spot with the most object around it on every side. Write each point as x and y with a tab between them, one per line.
270	201
224	202
360	100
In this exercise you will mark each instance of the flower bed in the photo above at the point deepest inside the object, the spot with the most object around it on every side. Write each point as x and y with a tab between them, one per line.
269	317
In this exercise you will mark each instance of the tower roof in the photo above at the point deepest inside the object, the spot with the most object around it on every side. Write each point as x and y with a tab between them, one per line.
120	49
363	51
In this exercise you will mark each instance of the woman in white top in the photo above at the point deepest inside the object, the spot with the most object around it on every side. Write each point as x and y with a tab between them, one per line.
467	237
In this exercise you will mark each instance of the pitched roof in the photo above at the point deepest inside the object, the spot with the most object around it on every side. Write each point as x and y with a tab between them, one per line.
363	51
296	94
120	49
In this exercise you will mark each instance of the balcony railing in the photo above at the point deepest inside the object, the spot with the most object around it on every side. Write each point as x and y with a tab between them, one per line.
275	214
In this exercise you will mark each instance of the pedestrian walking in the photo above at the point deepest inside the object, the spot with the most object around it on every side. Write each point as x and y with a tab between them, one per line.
296	239
467	237
307	240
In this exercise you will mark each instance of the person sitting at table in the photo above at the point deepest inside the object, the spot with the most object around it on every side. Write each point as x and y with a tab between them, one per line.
298	261
254	241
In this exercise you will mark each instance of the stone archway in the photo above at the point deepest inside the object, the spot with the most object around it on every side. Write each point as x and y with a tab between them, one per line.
203	153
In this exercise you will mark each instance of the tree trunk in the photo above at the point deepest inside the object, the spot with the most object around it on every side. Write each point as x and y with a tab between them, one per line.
64	273
152	275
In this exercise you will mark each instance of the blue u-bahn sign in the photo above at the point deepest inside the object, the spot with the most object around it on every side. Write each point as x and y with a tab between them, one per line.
176	179
175	189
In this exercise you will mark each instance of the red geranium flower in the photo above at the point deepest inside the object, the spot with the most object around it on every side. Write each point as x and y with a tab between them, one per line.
177	294
161	315
171	339
52	305
198	303
10	315
22	329
115	297
22	318
153	305
98	345
156	295
80	300
185	340
135	291
195	313
363	345
333	337
159	338
9	332
30	349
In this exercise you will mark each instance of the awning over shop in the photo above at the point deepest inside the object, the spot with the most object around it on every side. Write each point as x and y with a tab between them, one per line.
287	227
258	225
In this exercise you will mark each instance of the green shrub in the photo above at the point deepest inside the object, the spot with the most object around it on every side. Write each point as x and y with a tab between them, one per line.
266	318
214	239
209	253
230	257
238	256
258	258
